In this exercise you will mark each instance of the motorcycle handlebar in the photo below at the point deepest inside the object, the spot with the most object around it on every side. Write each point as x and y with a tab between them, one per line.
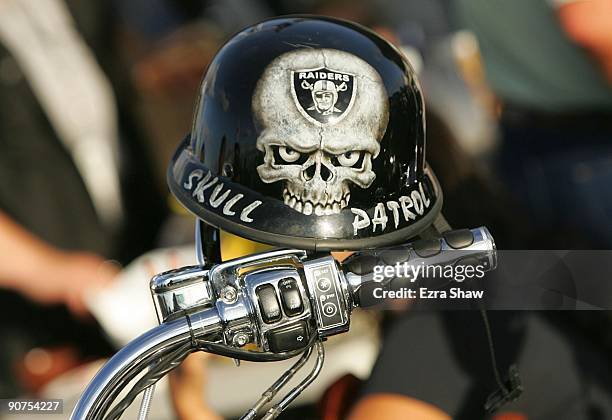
221	308
133	358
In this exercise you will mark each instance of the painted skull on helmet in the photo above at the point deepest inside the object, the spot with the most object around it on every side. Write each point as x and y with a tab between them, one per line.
322	114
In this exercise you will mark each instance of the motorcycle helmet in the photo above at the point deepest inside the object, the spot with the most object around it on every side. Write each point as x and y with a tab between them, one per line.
309	132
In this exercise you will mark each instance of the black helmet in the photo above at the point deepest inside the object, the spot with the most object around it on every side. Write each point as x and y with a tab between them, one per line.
309	132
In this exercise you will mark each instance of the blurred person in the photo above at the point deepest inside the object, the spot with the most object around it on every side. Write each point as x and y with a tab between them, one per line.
75	187
46	274
588	24
548	62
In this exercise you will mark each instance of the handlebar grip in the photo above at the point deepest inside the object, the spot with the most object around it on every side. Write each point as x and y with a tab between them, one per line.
470	246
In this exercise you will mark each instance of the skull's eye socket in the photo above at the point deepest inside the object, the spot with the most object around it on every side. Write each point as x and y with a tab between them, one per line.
352	158
284	154
288	154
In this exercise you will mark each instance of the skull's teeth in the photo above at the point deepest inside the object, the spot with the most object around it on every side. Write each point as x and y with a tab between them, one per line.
323	208
307	208
319	210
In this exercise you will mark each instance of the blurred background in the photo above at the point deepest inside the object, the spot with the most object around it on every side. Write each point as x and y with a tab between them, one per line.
95	96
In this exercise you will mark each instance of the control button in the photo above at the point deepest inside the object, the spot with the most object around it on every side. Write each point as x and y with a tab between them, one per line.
290	297
268	303
460	238
427	247
291	337
330	309
327	298
324	284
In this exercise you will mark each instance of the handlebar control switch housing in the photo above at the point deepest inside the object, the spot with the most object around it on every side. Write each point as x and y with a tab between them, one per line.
329	296
281	308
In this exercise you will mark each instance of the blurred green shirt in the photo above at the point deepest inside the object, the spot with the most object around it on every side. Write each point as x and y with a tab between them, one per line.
529	61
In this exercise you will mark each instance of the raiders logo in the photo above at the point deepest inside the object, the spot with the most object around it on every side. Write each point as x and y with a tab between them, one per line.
322	95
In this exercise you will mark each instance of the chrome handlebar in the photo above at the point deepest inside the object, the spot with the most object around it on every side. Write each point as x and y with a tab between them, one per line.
280	302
